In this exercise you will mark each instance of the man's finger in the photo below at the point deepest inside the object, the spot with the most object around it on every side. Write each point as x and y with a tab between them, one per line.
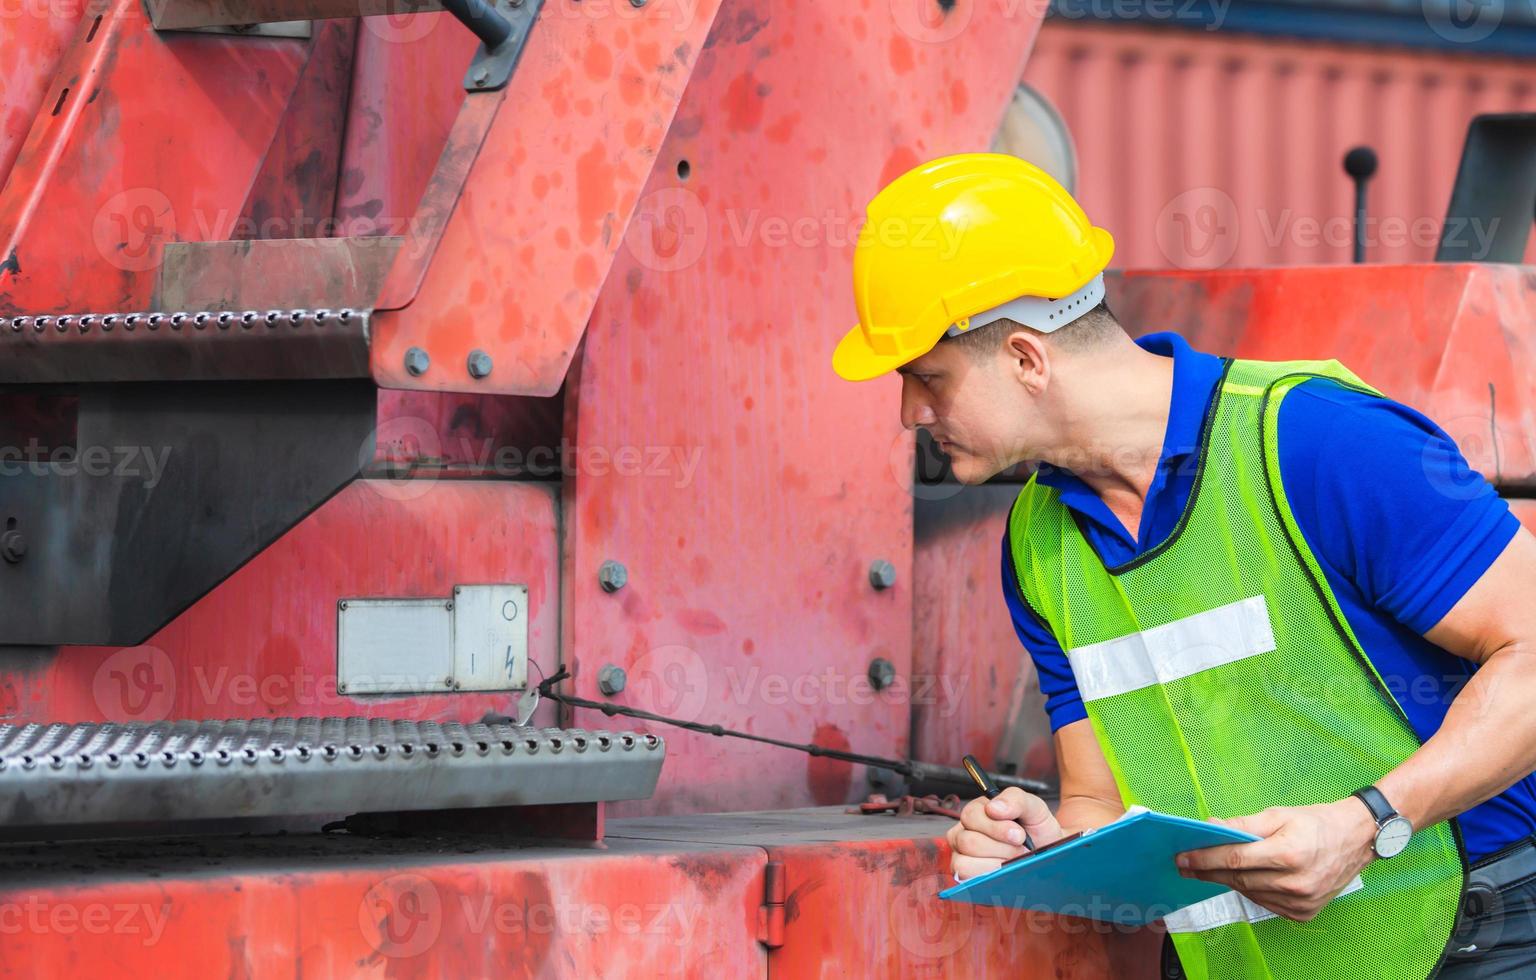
1266	823
1230	857
972	844
1253	884
969	867
975	817
1015	804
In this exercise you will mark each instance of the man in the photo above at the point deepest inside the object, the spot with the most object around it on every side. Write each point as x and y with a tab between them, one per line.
1256	593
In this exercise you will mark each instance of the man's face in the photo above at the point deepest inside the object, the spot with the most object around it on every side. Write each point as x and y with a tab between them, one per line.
971	406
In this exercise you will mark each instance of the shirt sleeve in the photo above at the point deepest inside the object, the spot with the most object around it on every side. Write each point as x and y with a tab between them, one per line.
1387	502
1063	702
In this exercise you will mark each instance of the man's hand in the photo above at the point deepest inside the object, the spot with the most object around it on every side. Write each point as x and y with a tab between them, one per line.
1308	855
989	832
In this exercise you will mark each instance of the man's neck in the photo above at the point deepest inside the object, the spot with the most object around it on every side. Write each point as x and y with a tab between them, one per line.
1118	420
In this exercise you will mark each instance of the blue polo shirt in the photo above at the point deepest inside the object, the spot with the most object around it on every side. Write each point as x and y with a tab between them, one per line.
1399	522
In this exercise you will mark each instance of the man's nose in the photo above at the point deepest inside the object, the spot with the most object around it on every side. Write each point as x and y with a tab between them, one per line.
915	410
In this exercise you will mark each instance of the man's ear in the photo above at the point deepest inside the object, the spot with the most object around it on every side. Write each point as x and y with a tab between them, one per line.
1030	362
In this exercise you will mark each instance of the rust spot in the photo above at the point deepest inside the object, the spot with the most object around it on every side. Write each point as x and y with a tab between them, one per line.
700	622
828	780
598	62
11	265
743	103
959	96
901	55
781	131
899	162
594	189
710	872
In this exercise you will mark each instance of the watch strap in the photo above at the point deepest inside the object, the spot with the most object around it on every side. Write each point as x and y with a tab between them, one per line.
1376	802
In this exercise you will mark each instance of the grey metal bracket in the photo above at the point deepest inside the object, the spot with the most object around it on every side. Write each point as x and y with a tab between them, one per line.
494	63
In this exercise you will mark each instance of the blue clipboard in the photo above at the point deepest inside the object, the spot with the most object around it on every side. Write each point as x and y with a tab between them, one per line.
1122	872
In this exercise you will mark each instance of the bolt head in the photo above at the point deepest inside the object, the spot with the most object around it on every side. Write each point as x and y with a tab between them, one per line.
612	576
611	680
479	364
882	673
882	574
417	362
13	547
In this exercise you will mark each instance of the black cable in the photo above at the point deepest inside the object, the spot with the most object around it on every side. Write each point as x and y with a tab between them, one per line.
910	768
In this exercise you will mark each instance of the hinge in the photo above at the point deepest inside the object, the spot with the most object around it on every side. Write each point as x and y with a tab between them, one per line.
770	915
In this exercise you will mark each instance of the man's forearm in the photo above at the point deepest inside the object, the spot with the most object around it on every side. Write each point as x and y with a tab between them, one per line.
1486	743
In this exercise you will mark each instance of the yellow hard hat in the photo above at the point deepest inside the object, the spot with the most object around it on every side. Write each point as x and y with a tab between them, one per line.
962	241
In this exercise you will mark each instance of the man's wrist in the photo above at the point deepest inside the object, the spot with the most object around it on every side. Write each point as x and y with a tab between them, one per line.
1360	826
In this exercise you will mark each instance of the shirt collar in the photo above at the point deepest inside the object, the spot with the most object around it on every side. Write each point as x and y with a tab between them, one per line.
1195	375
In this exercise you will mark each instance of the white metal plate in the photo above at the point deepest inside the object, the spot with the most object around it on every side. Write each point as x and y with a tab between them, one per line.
394	646
490	633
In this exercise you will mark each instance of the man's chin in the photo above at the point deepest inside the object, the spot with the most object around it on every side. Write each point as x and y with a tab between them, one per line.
970	471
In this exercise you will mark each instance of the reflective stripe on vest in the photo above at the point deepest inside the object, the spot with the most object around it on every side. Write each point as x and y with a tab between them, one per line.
1178	649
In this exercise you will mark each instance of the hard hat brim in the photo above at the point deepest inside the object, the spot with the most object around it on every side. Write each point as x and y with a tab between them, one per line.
855	360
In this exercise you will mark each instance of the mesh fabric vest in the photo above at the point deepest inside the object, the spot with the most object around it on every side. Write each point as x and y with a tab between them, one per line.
1221	678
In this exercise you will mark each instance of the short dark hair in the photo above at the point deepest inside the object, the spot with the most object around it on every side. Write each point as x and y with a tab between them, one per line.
1087	331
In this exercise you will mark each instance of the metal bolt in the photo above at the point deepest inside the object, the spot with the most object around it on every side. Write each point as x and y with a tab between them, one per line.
637	3
882	673
479	364
417	362
611	680
882	574
612	576
342	604
482	76
13	546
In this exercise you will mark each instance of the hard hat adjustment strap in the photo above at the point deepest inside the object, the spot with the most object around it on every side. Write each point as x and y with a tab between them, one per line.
1037	312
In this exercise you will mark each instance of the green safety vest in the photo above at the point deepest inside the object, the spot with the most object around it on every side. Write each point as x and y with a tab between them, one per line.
1221	678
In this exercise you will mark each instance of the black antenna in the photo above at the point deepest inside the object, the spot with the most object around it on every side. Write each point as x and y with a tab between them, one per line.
1360	164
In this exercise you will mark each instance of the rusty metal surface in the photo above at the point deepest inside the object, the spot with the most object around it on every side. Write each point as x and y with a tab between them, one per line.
986	699
1453	341
264	641
749	601
529	239
30	49
104	774
448	905
104	183
170	15
1202	149
665	897
312	273
184	346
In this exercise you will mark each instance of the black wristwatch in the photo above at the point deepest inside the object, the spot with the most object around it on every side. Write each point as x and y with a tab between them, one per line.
1392	828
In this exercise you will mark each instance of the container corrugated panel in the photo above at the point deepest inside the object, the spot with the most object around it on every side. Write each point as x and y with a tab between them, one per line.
1204	149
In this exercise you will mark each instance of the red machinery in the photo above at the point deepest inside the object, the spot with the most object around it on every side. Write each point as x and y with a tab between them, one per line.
360	375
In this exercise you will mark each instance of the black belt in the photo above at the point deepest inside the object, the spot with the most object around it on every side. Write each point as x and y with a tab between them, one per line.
1511	866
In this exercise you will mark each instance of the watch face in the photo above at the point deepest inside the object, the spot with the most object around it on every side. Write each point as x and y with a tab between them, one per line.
1393	836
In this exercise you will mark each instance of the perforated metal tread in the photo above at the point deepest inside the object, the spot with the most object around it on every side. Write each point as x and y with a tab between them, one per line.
62	774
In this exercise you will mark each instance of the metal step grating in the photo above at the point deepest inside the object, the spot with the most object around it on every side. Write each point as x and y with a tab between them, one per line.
66	774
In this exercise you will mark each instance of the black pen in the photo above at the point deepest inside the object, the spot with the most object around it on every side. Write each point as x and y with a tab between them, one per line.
989	788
